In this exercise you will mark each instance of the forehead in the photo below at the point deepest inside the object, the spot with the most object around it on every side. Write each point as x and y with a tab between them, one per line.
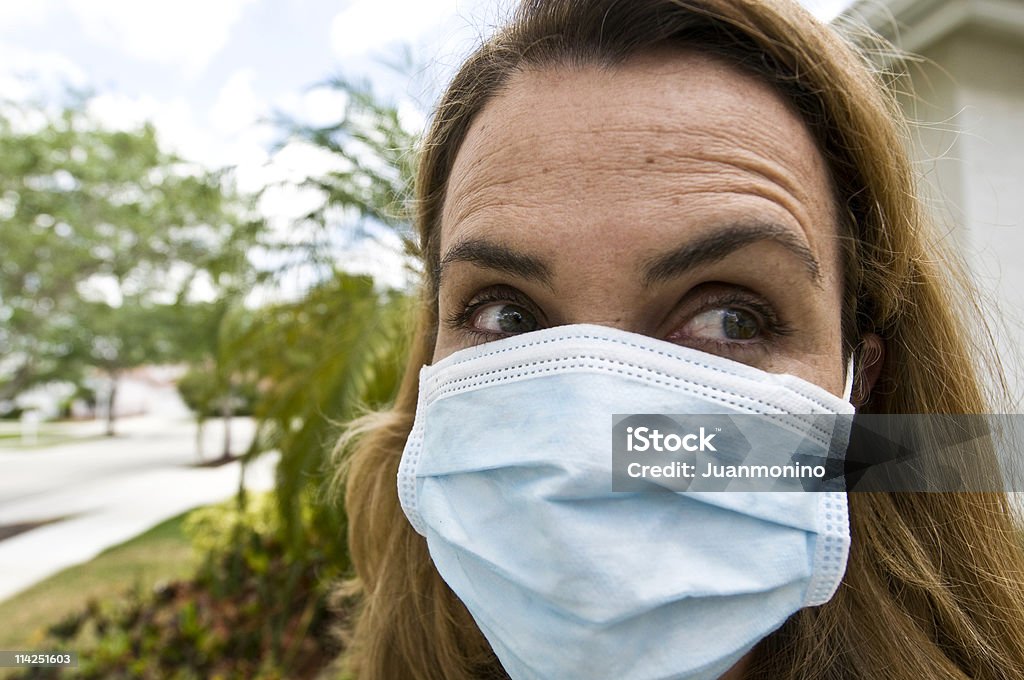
664	142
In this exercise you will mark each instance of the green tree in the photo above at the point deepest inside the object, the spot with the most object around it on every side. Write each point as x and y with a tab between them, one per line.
339	348
376	163
216	384
114	339
323	359
319	357
103	232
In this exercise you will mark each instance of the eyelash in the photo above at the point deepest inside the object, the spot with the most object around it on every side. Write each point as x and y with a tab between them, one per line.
772	326
459	320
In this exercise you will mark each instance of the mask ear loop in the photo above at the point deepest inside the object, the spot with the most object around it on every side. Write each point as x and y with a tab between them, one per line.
848	389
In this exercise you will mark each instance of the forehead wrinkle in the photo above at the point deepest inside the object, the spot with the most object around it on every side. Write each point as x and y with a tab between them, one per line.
779	186
484	177
485	208
765	161
578	147
502	165
710	145
490	204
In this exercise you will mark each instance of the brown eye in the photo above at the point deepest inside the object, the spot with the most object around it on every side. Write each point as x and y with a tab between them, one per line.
724	324
505	319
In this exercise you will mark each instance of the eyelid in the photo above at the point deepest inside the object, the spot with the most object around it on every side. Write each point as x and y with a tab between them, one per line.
705	297
706	300
468	306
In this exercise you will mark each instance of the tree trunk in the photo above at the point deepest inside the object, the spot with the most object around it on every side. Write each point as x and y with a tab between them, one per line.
225	412
199	438
110	404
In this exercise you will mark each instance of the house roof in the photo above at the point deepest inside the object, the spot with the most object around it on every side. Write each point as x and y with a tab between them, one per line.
916	24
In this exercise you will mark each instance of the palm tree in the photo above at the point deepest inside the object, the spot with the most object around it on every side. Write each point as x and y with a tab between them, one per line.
320	360
338	349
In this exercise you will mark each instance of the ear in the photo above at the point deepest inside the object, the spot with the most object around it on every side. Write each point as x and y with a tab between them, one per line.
868	363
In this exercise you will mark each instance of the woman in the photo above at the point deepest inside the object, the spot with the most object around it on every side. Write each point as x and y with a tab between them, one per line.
719	183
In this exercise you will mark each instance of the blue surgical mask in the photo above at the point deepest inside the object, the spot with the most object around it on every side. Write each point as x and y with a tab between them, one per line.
508	474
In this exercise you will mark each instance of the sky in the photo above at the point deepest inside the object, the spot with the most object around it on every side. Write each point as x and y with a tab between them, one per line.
210	73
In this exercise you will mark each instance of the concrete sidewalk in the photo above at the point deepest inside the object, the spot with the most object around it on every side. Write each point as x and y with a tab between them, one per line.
112	489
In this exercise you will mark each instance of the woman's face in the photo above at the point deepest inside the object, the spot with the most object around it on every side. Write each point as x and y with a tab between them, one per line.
672	196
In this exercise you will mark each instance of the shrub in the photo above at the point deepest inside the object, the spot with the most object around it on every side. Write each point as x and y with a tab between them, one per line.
253	610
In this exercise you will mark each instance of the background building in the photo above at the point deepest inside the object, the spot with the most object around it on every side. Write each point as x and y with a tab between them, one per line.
969	109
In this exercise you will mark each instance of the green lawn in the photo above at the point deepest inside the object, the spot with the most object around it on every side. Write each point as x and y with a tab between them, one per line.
48	434
160	554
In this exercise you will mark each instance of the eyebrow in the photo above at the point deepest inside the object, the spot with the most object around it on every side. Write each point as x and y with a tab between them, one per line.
705	250
722	243
498	257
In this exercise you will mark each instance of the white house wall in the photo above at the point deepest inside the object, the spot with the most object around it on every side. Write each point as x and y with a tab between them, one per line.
970	149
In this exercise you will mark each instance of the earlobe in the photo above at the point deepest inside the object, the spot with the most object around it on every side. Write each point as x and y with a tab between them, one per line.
870	356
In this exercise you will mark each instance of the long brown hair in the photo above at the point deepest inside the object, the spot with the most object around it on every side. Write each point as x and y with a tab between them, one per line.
933	584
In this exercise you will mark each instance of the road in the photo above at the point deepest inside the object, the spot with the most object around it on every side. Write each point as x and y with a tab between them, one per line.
109	489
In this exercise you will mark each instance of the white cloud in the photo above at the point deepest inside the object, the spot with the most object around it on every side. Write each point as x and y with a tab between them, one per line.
233	135
284	201
237	104
122	112
317	107
230	138
44	75
411	117
14	15
173	119
365	26
381	257
185	33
